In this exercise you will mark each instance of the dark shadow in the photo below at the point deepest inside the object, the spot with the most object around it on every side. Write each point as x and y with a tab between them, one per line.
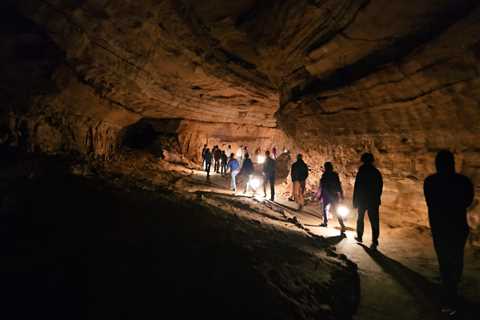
331	241
425	292
312	214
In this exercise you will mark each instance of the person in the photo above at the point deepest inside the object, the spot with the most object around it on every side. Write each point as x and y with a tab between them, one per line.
244	152
217	153
269	175
274	152
208	162
223	163
247	170
234	168
331	193
229	151
299	174
448	195
203	157
240	153
367	193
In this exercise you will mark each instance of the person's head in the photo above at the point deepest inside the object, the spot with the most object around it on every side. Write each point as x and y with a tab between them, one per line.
367	158
328	166
229	146
299	157
204	145
223	151
267	153
207	150
445	162
232	155
247	156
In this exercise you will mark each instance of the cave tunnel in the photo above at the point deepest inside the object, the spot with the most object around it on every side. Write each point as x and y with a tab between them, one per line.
107	211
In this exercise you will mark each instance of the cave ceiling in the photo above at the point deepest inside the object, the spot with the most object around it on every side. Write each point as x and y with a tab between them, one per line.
242	61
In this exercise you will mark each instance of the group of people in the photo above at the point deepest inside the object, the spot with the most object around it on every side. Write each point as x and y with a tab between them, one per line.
447	195
225	162
218	157
366	195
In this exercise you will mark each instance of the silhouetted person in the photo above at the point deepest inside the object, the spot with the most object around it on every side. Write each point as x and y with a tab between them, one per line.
448	195
367	195
246	170
331	193
299	174
274	152
217	153
269	175
223	163
208	162
234	168
204	167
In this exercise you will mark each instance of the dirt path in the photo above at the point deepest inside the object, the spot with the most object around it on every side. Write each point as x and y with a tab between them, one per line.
400	280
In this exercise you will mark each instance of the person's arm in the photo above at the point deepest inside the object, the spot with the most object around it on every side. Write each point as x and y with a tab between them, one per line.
340	190
356	189
469	192
427	191
380	184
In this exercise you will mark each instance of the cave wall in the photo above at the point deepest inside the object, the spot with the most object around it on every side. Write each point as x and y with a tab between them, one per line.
403	112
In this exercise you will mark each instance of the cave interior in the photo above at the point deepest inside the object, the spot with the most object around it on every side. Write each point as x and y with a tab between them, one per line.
106	105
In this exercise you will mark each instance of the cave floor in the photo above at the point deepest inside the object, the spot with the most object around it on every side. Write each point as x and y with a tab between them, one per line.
399	281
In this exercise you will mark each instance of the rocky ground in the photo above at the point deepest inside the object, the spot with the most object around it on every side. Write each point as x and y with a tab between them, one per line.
94	245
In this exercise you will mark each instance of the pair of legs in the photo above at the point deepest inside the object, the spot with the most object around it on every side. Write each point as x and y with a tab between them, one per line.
207	168
449	247
216	166
298	190
332	207
271	181
233	181
247	183
223	169
374	217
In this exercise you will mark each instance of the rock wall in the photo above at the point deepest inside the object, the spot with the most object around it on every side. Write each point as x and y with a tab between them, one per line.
403	112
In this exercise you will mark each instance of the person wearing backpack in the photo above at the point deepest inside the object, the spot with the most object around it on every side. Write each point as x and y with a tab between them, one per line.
223	163
208	162
234	168
299	174
217	154
204	165
331	194
269	169
367	194
247	170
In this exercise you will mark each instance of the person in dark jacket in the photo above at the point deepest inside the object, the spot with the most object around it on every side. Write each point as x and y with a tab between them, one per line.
217	153
299	174
203	157
331	193
223	163
367	194
448	195
247	170
269	175
208	162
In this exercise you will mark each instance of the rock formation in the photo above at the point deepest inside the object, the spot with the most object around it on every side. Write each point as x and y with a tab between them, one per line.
329	78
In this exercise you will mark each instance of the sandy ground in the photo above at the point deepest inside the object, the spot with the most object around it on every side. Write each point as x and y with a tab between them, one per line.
400	281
